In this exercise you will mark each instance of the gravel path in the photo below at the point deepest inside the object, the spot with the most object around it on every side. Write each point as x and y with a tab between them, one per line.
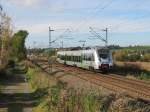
15	95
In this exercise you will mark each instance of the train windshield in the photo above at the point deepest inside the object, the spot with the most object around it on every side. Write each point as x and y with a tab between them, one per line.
103	53
104	56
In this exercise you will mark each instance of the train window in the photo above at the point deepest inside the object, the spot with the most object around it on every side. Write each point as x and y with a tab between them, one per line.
92	56
103	51
77	58
80	59
84	57
89	57
104	56
67	58
61	57
71	58
58	56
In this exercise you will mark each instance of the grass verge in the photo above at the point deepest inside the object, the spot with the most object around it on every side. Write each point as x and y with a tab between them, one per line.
55	96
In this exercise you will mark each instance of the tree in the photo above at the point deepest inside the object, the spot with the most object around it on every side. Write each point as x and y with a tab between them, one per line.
5	37
18	45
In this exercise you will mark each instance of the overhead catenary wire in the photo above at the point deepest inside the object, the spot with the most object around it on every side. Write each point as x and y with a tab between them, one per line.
93	15
135	18
85	20
97	35
114	28
62	35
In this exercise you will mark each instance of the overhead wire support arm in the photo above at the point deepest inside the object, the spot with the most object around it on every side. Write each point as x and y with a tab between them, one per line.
83	41
99	36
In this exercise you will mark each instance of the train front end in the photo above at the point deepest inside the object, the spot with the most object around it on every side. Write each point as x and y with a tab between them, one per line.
105	61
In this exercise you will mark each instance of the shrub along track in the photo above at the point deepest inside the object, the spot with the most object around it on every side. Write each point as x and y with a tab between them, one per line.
134	88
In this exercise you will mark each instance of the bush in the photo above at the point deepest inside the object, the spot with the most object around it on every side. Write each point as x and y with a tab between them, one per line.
132	56
120	55
146	57
144	76
11	63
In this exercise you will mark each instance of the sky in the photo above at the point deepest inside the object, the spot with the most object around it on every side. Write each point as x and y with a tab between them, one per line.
128	21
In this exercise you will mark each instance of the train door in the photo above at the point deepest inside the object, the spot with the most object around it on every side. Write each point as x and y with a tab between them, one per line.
86	61
92	60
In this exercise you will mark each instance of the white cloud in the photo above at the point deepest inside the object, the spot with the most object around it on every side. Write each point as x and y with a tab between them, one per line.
26	3
42	28
114	25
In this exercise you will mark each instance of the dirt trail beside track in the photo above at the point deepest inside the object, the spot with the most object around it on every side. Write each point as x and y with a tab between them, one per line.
15	94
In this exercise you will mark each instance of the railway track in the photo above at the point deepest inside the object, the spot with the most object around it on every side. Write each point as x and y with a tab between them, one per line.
134	88
113	82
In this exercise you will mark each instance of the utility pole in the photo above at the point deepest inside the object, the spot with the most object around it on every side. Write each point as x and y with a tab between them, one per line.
62	44
106	30
50	49
83	45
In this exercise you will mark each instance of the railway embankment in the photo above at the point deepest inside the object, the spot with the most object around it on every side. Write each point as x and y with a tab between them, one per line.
66	91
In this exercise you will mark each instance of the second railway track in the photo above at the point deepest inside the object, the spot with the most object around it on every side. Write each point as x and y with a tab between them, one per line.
134	88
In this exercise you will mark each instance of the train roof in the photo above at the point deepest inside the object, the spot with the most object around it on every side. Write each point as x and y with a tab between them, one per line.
83	50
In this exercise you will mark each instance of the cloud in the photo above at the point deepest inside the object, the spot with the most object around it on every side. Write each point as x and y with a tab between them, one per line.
42	28
56	6
114	25
26	3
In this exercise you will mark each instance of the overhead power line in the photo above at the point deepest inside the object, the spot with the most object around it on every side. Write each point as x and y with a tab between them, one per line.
99	36
135	18
93	15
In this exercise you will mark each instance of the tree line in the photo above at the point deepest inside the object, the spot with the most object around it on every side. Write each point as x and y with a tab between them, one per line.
12	45
132	55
